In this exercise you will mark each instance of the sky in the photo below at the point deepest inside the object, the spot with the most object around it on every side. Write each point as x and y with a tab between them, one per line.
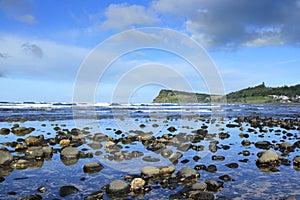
126	51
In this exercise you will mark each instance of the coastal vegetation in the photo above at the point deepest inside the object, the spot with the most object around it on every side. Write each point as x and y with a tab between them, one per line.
257	94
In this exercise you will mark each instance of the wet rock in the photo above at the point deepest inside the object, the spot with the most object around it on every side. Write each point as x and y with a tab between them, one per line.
67	190
35	152
213	185
150	159
4	131
226	178
200	195
32	197
175	156
187	172
268	156
211	168
2	179
5	157
263	145
42	189
21	130
196	158
92	167
246	153
147	137
219	158
150	171
137	184
117	188
213	146
172	129
246	143
199	186
95	196
296	161
232	165
286	146
223	136
64	142
166	153
289	198
95	145
34	140
69	152
200	167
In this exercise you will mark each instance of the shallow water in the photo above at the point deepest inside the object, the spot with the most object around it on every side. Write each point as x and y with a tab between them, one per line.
250	182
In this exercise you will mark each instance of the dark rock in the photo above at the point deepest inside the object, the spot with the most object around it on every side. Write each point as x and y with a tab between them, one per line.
2	179
246	143
200	167
246	153
92	167
187	172
296	161
223	135
150	159
4	131
196	158
200	195
213	185
226	178
232	125
219	158
263	145
232	165
32	197
117	188
67	190
5	157
211	168
172	129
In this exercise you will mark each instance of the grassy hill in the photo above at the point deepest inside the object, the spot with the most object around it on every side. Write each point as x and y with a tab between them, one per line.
257	94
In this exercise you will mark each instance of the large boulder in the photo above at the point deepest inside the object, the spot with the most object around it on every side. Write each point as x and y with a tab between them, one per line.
5	157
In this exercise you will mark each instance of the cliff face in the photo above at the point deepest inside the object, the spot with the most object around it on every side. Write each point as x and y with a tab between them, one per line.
257	94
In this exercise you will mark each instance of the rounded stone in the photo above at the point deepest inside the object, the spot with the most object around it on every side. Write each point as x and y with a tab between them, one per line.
137	183
4	131
268	156
117	187
32	197
213	185
64	142
69	152
150	171
92	167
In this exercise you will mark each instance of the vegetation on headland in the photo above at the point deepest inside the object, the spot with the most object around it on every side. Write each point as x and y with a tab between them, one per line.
257	94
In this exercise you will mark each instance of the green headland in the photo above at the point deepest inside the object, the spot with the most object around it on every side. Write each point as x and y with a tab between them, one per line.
257	94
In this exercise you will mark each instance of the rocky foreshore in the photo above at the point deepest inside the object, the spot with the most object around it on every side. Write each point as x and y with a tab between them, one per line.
267	144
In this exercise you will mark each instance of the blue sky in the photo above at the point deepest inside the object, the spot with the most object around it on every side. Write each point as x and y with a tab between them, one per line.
44	44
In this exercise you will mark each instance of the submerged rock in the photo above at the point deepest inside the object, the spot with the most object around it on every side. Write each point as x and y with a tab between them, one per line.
187	172
32	197
213	185
67	190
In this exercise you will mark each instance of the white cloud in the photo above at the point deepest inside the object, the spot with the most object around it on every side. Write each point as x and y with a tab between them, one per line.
123	16
39	58
225	24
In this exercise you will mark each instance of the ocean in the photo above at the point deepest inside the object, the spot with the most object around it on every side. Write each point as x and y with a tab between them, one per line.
142	135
